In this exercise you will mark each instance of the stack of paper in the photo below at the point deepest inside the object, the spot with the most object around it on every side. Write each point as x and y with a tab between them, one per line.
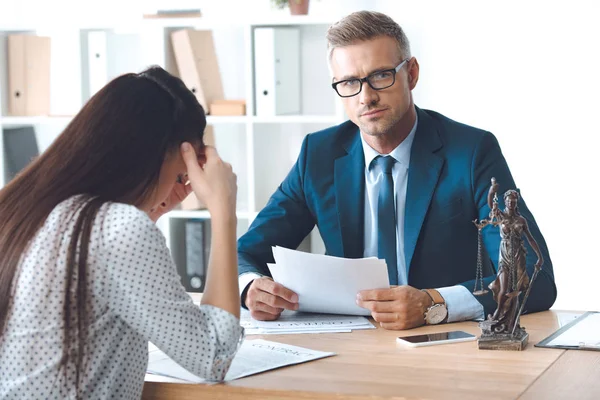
293	322
327	284
253	357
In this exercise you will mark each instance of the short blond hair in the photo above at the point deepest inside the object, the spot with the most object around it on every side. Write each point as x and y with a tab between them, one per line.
365	25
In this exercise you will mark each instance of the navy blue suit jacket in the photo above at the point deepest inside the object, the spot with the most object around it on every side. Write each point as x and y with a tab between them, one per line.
451	165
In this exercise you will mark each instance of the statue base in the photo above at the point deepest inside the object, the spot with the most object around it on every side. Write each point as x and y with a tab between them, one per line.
491	340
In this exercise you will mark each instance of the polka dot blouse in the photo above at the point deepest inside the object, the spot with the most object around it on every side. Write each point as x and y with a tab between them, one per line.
135	296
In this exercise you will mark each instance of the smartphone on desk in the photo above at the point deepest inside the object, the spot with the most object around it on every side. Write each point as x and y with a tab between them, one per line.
431	339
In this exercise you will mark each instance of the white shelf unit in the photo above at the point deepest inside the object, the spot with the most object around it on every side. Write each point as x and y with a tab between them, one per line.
262	149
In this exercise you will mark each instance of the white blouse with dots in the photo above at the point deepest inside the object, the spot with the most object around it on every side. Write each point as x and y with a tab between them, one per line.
135	296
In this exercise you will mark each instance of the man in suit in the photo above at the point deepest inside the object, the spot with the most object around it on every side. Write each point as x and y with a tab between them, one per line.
396	182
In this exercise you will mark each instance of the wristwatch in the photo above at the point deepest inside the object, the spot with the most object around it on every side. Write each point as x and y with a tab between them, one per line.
437	312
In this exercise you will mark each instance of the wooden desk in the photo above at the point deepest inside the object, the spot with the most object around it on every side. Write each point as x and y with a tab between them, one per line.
371	364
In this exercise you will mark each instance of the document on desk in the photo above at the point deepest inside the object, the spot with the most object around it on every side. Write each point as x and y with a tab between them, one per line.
327	284
581	333
294	322
253	357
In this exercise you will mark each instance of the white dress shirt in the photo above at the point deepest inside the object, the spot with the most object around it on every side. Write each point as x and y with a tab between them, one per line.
373	180
134	296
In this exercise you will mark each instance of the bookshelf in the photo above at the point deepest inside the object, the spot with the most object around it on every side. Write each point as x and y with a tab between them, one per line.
15	122
261	149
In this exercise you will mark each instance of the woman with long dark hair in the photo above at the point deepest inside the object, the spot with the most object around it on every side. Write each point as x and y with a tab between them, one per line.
86	279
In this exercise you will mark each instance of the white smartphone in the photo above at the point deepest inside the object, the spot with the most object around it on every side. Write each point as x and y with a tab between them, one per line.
431	339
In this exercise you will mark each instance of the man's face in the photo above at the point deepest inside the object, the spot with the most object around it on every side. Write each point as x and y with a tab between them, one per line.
376	112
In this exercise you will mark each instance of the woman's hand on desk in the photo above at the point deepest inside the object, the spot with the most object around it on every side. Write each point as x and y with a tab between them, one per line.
266	299
399	307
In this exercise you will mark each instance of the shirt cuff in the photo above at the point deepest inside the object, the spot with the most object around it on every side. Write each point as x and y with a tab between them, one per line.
461	304
229	336
244	280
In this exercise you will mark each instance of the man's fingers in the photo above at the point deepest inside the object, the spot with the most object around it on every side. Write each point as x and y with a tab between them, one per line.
265	290
263	307
284	293
272	300
380	306
385	317
277	289
377	295
263	316
398	325
395	326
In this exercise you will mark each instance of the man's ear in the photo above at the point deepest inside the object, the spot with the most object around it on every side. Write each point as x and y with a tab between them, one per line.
413	73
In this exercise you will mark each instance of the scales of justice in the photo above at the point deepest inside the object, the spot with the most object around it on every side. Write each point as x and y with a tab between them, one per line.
501	330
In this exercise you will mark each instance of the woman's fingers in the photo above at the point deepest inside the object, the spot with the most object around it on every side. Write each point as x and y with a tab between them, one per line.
188	153
214	183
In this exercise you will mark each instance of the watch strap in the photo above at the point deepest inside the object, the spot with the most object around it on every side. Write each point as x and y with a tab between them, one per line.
436	297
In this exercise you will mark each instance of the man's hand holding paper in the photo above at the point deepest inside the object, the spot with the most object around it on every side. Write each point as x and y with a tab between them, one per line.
266	299
399	307
323	284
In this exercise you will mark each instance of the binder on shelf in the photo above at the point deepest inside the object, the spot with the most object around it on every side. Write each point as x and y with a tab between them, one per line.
20	148
228	107
197	247
95	70
190	247
197	63
28	75
277	71
192	202
176	13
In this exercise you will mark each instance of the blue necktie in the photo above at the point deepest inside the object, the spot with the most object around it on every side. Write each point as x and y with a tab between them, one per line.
386	218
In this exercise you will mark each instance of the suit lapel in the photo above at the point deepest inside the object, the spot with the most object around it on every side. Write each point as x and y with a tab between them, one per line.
350	195
423	174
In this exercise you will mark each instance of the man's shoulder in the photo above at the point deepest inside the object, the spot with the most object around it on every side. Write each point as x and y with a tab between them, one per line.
452	131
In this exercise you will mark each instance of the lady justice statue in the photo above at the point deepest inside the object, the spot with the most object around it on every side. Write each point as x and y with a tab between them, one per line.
501	331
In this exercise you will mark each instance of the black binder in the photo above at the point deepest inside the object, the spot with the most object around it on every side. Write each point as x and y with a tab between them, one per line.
20	147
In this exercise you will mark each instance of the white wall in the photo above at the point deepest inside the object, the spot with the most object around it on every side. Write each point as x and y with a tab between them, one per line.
527	71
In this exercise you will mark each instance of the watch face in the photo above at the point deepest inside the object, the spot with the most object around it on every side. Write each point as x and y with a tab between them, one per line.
436	314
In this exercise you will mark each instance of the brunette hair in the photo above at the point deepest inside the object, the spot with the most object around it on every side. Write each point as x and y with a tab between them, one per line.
112	151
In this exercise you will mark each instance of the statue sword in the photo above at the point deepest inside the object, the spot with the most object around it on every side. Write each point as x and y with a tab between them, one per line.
535	273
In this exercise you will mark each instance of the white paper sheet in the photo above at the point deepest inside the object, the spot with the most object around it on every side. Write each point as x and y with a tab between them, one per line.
253	357
293	322
585	333
327	284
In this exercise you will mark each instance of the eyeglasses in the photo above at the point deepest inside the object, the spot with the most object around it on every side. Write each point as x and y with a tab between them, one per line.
377	81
